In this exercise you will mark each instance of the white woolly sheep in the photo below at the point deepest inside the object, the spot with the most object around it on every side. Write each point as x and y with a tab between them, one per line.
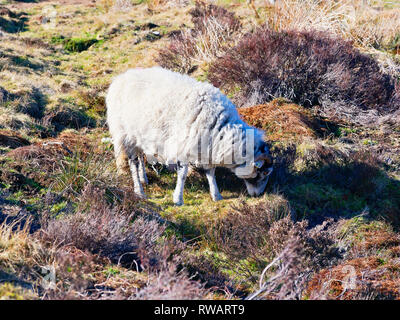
173	119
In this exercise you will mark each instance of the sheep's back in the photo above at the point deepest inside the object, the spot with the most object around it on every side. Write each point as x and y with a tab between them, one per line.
164	113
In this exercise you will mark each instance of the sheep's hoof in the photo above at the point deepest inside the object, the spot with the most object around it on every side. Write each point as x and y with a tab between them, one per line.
217	198
141	195
178	202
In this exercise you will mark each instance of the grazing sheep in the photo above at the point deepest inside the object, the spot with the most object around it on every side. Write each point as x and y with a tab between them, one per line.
174	119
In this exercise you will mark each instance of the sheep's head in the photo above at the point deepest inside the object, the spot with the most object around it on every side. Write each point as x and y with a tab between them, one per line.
262	167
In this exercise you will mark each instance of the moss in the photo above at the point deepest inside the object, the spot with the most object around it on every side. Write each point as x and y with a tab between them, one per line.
74	44
56	208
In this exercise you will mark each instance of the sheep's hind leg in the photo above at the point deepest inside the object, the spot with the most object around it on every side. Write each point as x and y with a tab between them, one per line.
142	170
134	166
215	195
180	183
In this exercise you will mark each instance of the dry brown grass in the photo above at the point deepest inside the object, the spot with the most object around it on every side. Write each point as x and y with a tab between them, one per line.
369	25
21	255
370	270
65	163
47	150
214	31
243	231
372	280
283	120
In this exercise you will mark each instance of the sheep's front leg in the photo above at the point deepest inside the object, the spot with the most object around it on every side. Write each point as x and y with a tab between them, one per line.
142	170
215	195
180	183
134	166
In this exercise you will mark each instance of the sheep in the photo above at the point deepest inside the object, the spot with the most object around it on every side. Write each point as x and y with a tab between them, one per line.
174	119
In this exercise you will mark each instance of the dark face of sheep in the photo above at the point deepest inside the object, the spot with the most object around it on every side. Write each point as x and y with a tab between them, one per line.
262	168
255	186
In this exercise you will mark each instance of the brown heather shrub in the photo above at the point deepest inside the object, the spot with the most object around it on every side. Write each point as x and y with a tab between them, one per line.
370	282
41	152
369	24
282	120
171	284
308	67
213	31
63	145
242	232
370	270
298	253
203	12
73	270
124	237
178	55
11	139
265	233
318	243
100	232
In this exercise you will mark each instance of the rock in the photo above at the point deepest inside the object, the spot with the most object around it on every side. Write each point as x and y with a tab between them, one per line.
152	36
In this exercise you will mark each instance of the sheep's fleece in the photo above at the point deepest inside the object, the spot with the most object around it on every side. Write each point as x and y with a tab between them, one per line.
171	117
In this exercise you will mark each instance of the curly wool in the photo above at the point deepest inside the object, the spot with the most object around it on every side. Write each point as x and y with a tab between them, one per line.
165	114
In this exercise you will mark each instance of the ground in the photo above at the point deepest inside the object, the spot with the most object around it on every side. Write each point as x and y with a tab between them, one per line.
58	174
